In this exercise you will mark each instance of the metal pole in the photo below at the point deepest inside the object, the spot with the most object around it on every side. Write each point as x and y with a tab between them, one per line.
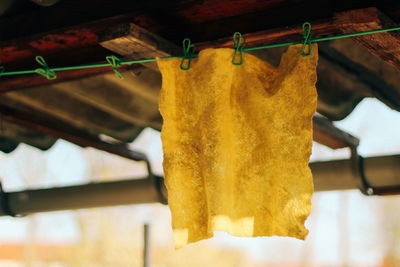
146	245
381	171
82	196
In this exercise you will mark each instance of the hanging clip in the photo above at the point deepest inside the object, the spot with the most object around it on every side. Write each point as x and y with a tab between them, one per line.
45	70
238	43
188	51
306	40
115	62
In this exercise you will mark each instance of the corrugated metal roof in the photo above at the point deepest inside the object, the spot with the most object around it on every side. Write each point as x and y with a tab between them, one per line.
100	105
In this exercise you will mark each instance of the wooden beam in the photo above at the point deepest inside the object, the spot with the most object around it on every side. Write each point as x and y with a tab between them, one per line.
72	46
28	81
342	22
279	14
383	45
75	41
177	17
46	31
276	35
134	42
76	45
74	13
52	30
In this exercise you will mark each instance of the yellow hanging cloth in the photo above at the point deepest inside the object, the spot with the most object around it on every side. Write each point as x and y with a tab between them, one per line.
236	142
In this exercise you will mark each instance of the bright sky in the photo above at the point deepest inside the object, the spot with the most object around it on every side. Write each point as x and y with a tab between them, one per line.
337	217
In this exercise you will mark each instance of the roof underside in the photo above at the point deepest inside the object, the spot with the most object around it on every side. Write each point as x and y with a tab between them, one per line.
95	105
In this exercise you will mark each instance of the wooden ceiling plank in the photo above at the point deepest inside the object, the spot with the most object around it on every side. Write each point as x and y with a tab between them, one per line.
136	42
28	81
72	46
127	40
79	44
384	45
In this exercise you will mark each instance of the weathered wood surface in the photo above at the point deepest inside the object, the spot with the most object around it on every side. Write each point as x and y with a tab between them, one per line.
75	46
67	47
134	42
340	23
27	81
177	17
76	40
68	33
384	45
127	40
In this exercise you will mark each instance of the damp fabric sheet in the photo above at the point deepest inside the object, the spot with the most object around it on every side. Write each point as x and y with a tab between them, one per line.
236	143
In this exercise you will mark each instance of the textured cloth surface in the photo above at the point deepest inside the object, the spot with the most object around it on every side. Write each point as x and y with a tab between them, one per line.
236	143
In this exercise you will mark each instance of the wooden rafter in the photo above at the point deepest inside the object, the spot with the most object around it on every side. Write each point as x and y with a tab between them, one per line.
385	45
134	42
79	44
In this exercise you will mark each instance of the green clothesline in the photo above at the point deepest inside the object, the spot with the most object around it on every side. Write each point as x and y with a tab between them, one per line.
239	43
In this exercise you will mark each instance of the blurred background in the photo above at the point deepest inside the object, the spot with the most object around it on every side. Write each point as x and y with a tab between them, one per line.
346	227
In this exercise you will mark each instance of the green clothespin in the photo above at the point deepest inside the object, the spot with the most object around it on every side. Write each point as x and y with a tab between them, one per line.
115	62
188	51
238	43
45	70
306	40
